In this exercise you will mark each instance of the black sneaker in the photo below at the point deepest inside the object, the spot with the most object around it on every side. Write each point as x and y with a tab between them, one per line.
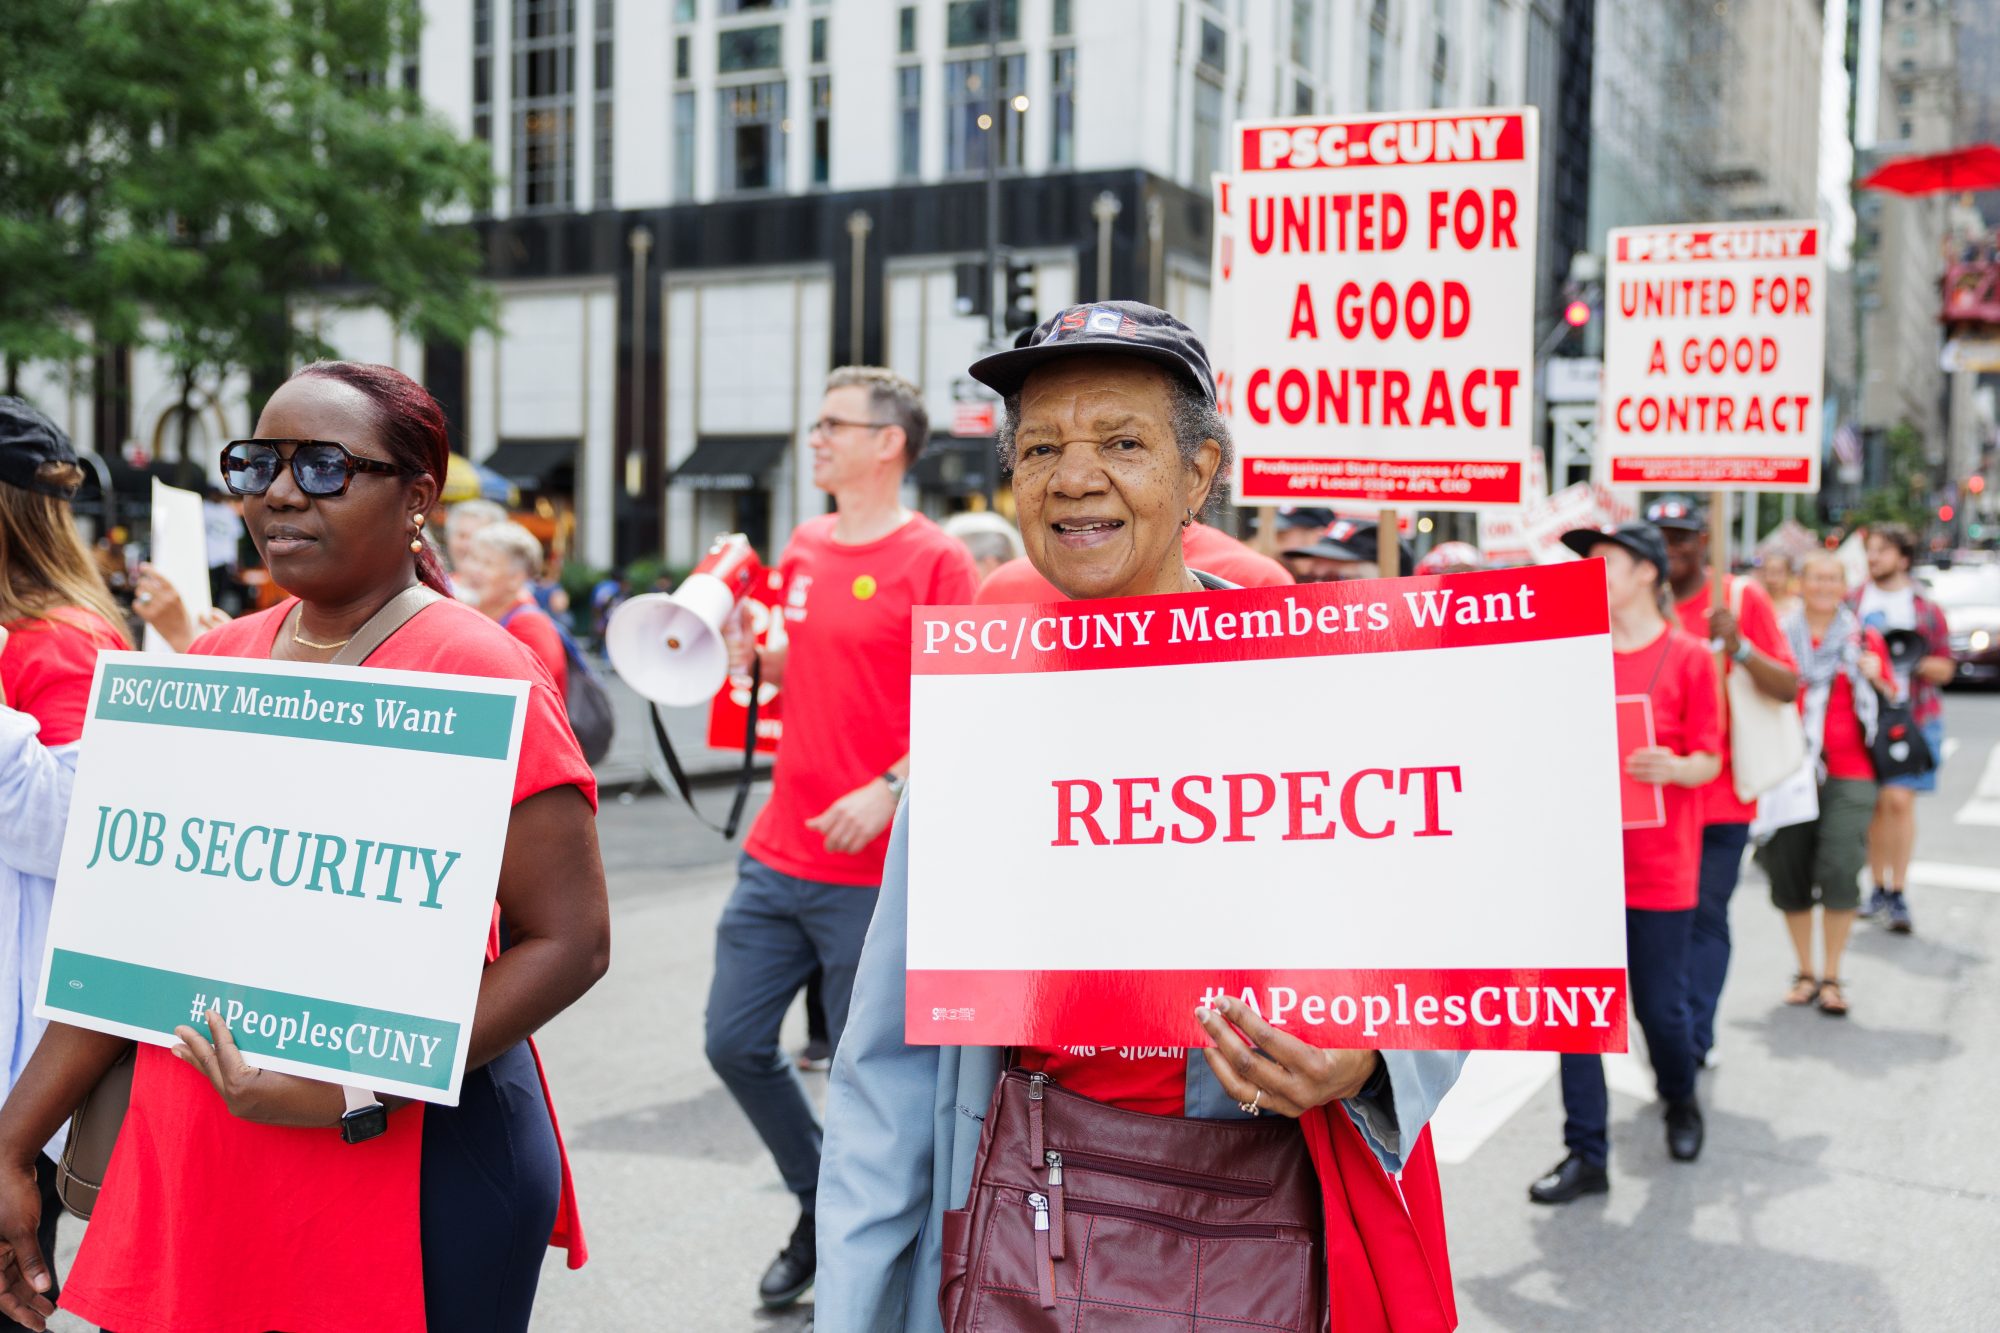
1684	1130
1572	1178
1878	902
1899	913
790	1275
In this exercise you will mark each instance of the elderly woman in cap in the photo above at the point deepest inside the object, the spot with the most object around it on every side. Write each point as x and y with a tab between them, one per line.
1114	444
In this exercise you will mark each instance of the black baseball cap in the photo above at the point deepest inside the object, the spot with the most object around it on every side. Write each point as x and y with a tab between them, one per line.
1641	539
1126	328
29	442
1677	513
1356	539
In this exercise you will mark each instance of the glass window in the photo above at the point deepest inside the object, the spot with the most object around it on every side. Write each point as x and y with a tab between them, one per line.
969	127
600	129
602	72
1378	55
482	70
1061	23
683	11
544	105
1302	98
750	139
1909	37
1302	33
1496	46
1903	97
683	146
822	101
482	23
1208	127
965	22
818	55
749	48
909	121
601	152
1906	132
728	7
1214	46
1062	106
906	29
683	58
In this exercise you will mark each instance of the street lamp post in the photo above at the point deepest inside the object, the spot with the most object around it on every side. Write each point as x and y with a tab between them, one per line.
1105	209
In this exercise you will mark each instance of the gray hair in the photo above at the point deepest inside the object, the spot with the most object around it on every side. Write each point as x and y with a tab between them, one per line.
467	514
1194	419
892	400
510	539
985	534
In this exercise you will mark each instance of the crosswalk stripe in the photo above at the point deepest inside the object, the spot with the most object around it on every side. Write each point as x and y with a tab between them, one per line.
1938	875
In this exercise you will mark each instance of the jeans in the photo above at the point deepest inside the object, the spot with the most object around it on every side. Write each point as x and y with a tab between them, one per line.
1656	948
1708	949
776	930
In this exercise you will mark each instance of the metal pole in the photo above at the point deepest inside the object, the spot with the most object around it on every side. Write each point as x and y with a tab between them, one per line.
859	224
641	241
1105	208
994	315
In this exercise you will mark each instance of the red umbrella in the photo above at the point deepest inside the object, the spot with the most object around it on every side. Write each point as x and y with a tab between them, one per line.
1974	168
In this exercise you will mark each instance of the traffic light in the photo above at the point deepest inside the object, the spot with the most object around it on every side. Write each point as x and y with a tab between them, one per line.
1018	310
1975	484
1945	513
1576	314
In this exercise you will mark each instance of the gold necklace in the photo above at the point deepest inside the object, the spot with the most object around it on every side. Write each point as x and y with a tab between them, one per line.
303	641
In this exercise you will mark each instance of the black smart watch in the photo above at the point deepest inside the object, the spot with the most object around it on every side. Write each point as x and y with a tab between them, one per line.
365	1117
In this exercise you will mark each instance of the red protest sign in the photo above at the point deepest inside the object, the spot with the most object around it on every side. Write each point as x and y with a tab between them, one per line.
1381	308
1714	351
1643	803
1371	831
729	712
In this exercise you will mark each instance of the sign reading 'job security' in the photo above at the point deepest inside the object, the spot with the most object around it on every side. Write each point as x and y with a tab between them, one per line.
311	850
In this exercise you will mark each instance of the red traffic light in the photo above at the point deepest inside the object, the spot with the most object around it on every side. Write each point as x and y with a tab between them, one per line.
1945	512
1576	314
1974	484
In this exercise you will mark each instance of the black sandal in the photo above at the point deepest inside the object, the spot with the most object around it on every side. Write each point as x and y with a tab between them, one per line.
1837	1009
1805	989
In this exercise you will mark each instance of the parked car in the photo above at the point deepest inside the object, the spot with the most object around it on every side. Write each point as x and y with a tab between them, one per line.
1970	596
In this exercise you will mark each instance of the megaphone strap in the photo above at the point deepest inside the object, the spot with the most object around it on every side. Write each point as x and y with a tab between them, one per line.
727	829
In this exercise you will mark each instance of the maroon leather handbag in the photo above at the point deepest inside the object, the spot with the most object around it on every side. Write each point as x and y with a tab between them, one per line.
1082	1215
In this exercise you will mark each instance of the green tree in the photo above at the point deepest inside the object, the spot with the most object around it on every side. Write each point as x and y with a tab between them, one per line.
1902	498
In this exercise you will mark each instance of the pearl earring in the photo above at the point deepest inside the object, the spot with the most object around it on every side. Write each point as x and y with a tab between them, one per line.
417	541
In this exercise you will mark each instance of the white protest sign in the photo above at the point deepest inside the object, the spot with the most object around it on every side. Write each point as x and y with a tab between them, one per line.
1582	505
1714	351
179	552
1221	272
1384	308
1344	802
1503	533
243	836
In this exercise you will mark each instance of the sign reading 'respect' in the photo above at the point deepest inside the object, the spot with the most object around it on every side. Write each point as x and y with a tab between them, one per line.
311	850
1714	348
1382	301
1185	799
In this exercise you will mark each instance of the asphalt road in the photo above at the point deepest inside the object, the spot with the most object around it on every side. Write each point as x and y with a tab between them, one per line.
1850	1181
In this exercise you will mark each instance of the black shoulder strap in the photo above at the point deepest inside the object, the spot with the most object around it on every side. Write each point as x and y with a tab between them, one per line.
728	829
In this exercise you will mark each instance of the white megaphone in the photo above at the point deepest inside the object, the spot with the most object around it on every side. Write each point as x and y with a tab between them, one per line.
668	646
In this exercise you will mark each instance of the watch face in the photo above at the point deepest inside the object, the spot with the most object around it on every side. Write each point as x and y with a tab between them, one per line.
364	1123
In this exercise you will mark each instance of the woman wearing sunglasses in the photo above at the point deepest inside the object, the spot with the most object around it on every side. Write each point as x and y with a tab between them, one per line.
55	614
234	1203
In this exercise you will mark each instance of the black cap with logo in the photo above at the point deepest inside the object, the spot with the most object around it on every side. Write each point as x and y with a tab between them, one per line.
1126	328
29	442
1356	539
1641	539
1677	513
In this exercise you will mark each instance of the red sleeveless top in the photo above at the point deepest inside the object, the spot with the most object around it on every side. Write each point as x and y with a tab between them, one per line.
210	1224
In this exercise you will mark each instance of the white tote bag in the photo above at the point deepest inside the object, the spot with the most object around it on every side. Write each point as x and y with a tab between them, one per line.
1767	741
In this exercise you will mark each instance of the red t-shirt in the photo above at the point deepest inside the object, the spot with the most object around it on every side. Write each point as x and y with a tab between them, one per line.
1663	865
315	1235
1842	745
532	626
1152	1079
1210	550
45	669
1758	621
847	681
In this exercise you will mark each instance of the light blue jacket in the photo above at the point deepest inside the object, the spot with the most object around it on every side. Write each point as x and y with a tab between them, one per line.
35	784
903	1122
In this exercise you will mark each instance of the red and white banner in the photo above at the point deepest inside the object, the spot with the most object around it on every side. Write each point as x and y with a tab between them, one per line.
1344	802
1382	299
1714	351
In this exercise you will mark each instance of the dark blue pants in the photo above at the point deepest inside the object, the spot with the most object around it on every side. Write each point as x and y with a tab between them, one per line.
1656	948
775	931
1708	947
491	1182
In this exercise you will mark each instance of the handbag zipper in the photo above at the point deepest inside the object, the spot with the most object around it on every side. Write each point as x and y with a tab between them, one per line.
1045	1268
1164	1175
1036	1082
1209	1230
1055	1161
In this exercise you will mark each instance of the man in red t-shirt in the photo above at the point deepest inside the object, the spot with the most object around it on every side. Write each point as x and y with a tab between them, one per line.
1746	627
807	880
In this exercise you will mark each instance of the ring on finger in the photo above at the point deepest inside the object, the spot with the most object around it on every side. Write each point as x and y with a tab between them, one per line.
1253	1106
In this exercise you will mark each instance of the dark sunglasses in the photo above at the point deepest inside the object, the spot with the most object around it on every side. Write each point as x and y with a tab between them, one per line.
322	468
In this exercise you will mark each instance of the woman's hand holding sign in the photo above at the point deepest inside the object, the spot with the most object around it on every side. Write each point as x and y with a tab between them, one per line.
1274	1071
257	1095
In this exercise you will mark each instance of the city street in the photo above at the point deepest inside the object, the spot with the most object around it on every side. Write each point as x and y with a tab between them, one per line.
1813	1207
